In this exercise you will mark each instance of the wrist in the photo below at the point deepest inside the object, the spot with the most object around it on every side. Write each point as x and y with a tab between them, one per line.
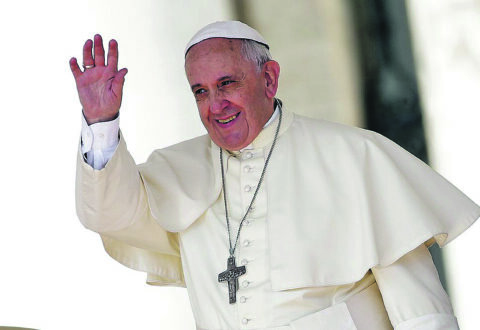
91	121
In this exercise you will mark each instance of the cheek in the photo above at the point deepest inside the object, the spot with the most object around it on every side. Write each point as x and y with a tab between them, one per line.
202	109
203	116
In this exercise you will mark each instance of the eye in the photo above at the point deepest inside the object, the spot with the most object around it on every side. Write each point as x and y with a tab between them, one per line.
200	91
226	82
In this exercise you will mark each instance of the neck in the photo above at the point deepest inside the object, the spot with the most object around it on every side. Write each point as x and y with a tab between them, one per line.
272	118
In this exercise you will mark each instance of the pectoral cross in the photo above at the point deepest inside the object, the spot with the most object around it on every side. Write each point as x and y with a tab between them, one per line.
231	275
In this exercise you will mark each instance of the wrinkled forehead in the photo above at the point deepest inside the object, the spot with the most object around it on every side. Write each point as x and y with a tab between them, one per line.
212	59
225	47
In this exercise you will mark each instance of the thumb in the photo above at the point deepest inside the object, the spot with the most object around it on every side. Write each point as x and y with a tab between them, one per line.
119	79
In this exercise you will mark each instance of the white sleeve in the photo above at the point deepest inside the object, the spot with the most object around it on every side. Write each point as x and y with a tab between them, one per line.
99	142
413	295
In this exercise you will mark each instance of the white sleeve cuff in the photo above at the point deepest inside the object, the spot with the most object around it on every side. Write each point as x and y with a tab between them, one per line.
100	136
430	322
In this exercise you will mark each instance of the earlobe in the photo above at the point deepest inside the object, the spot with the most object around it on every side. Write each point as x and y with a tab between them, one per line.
272	73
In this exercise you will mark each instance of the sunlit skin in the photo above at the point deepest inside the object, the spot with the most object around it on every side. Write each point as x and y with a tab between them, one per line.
99	87
233	99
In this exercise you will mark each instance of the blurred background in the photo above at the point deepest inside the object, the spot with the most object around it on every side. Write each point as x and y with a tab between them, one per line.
408	69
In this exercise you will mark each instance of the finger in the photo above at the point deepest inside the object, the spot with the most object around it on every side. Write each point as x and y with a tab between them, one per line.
112	60
87	53
75	68
118	81
99	51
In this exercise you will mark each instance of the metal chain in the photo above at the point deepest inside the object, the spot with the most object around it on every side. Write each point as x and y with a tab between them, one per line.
232	249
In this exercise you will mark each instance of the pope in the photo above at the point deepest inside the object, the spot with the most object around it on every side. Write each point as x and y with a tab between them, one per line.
272	220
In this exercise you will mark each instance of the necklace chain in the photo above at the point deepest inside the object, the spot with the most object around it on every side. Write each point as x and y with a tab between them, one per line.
232	248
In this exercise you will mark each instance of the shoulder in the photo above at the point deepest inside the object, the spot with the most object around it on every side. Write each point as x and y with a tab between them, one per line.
326	132
202	141
195	149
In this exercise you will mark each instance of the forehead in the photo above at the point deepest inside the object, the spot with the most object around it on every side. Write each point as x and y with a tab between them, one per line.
216	56
214	46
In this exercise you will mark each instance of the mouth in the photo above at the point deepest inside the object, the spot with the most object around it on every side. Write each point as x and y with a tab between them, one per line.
227	120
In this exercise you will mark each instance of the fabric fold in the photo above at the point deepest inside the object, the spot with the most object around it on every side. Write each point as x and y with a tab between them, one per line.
181	183
364	202
341	200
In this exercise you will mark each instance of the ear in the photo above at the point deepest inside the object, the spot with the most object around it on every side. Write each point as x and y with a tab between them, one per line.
271	72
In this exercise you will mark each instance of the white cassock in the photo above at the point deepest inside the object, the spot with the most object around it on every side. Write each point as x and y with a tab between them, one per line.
341	221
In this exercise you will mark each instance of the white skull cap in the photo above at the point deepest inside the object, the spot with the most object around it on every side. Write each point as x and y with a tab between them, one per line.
226	29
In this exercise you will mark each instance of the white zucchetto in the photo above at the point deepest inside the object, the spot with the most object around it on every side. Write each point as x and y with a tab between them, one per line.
226	29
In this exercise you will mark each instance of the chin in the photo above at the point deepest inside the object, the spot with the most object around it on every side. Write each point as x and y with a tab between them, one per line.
231	146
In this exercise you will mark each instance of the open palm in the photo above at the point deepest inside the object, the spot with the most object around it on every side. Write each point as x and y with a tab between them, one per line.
99	86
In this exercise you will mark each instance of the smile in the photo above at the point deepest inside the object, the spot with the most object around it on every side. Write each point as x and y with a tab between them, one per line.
227	120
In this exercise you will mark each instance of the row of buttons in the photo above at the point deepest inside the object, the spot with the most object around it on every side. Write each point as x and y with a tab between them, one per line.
246	243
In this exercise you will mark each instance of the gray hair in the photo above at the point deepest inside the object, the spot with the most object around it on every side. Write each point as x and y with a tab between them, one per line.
252	51
255	52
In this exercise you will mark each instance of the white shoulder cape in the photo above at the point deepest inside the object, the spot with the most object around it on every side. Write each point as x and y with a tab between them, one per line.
340	200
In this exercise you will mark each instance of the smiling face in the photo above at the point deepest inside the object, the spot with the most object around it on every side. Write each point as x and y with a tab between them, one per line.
233	99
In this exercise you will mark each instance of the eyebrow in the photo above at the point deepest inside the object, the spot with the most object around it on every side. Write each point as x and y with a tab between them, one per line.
219	79
225	77
195	86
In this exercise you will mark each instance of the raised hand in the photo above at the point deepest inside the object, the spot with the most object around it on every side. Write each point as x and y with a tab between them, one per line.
99	87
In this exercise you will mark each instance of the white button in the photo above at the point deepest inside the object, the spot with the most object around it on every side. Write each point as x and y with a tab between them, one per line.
247	188
247	169
245	283
246	242
243	299
101	136
244	320
244	262
252	207
248	155
246	222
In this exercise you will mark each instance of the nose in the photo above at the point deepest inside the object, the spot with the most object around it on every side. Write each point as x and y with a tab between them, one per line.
217	102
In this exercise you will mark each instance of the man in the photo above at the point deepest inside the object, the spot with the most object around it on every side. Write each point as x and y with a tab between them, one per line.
272	221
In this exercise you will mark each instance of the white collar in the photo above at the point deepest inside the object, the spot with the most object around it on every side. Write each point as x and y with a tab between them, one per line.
271	120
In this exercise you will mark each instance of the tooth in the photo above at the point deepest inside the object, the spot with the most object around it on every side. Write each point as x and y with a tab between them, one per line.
224	121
